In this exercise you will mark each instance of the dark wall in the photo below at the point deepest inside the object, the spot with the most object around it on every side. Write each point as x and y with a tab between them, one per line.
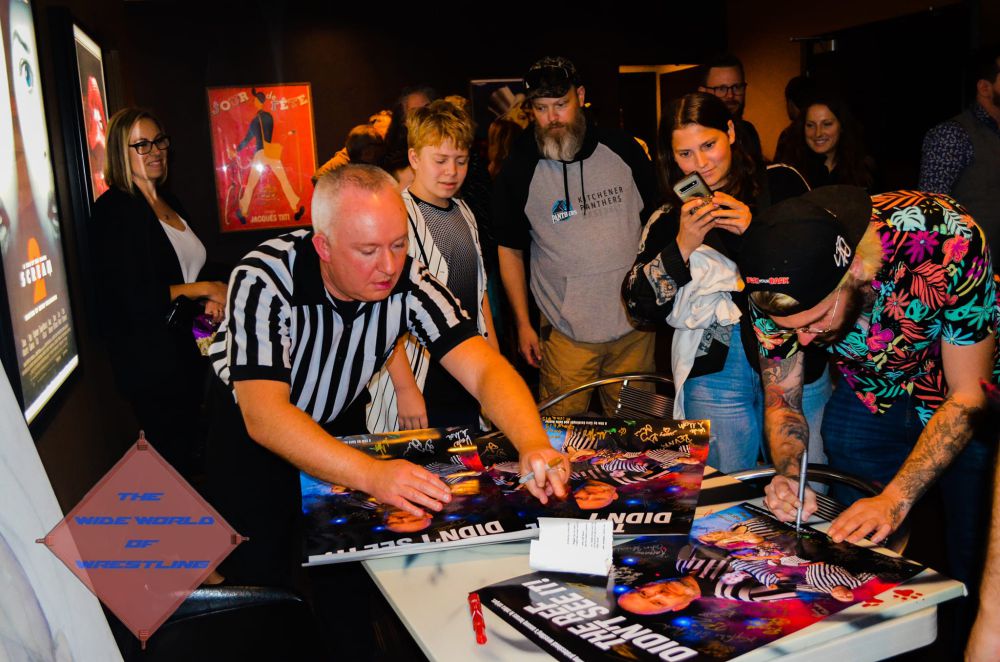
163	55
356	69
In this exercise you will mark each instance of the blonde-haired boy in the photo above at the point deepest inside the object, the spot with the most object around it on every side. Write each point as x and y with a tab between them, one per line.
413	392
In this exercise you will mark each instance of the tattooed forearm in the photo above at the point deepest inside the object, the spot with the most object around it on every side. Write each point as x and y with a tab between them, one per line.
946	434
785	427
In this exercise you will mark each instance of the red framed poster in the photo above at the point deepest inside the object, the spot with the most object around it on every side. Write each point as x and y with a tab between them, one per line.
264	151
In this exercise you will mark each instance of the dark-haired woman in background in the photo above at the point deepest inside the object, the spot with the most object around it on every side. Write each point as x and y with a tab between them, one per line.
149	261
826	146
685	273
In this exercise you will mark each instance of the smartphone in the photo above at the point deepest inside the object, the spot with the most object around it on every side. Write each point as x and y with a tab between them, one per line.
692	186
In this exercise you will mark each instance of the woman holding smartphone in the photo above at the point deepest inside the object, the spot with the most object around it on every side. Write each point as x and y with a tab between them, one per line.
685	274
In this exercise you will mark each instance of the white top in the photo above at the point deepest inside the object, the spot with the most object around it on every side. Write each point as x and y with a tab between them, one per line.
190	251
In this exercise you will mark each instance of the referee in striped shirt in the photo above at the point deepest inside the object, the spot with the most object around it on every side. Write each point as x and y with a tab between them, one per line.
310	317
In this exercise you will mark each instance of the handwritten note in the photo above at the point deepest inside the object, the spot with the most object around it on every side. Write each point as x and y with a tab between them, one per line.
572	545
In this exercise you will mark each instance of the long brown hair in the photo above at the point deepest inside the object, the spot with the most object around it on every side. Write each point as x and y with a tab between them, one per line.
709	111
853	166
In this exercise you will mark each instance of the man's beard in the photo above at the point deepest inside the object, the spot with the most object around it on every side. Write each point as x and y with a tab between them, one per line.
561	142
856	298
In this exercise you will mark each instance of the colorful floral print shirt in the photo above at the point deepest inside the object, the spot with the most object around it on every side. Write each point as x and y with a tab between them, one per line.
935	285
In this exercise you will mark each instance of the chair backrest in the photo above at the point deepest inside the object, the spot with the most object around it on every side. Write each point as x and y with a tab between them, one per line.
632	401
233	623
643	404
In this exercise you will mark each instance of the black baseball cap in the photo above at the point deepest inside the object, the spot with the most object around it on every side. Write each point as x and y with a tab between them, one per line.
551	76
803	246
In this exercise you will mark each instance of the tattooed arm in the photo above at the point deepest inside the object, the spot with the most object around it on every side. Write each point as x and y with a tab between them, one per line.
787	434
946	434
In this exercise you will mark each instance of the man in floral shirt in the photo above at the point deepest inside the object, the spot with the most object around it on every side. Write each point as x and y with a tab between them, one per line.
899	289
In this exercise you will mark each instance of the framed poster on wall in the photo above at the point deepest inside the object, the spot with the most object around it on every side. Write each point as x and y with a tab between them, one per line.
264	152
94	103
492	98
40	350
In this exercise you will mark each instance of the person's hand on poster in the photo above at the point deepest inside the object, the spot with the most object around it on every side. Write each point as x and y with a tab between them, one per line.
547	481
405	485
781	496
879	514
411	409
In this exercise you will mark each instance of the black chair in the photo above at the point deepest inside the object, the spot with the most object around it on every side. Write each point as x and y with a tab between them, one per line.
827	508
234	623
632	402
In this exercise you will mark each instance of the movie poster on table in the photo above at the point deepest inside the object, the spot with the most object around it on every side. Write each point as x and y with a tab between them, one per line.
94	102
740	581
264	151
644	476
30	236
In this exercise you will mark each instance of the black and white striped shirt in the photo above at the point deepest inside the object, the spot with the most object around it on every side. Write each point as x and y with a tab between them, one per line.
282	325
709	570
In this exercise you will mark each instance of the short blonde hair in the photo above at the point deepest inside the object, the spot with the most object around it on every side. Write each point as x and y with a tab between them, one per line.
330	189
117	168
869	252
438	122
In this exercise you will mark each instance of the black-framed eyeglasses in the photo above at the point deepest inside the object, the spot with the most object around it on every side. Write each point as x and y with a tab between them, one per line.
723	90
547	76
144	147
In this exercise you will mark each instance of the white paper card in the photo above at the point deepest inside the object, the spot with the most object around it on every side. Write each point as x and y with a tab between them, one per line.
572	545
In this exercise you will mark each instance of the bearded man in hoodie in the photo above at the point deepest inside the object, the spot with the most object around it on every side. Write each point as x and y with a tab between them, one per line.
575	196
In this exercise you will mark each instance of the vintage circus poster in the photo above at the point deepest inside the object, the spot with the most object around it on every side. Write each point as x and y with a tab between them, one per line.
264	152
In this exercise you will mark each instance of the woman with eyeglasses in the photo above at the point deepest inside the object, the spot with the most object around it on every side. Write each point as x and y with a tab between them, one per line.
685	274
148	266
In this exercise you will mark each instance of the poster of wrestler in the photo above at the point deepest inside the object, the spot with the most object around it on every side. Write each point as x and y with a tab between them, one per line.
94	101
740	581
30	236
264	151
645	476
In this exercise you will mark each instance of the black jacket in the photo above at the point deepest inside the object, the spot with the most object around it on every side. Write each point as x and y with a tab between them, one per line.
135	265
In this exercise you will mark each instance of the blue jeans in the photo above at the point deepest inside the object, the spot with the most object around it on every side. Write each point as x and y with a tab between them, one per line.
874	448
734	403
732	399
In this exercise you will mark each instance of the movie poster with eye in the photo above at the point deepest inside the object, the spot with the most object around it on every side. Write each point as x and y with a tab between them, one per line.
264	151
44	342
94	102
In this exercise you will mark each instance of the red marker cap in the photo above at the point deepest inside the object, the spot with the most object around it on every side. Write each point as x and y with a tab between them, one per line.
478	622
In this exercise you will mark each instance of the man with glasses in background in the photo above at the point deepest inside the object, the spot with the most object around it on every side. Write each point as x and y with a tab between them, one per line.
724	77
575	196
899	289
